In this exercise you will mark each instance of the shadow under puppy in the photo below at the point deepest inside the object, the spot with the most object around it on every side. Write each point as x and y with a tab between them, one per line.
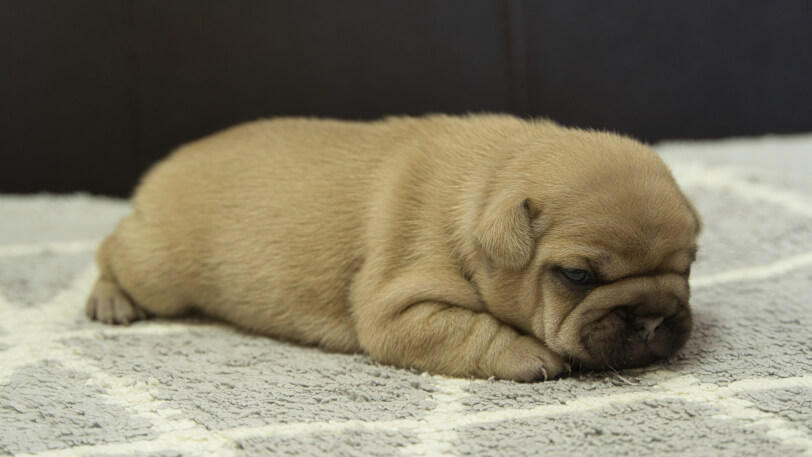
483	245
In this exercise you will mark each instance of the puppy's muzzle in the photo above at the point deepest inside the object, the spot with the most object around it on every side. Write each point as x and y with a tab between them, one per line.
635	322
646	327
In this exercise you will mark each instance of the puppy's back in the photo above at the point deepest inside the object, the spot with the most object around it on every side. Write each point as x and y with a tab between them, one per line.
262	218
265	224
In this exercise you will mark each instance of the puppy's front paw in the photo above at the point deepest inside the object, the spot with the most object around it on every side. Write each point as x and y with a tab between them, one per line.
527	360
109	304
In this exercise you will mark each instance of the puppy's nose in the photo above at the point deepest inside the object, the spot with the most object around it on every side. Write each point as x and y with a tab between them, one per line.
646	327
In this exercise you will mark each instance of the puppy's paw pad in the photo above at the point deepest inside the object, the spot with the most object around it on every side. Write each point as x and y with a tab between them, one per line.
110	305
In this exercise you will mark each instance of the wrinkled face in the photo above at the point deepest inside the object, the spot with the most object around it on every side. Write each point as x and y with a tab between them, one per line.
601	275
616	296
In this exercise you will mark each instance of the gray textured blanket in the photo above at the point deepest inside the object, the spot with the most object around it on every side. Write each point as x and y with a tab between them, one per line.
742	386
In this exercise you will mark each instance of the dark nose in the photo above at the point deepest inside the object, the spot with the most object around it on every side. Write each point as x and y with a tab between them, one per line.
647	327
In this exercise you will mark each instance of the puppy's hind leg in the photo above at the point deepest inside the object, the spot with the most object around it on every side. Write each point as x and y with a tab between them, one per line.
107	302
140	275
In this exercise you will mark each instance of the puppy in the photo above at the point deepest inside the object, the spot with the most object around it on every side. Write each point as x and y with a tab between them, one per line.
483	245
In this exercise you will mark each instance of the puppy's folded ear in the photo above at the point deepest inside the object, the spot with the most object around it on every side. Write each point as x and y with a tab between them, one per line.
505	233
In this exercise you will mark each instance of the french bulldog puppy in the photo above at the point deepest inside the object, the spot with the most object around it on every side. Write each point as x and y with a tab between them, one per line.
483	245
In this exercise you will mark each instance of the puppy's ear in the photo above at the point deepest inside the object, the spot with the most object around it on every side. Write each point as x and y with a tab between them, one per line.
505	233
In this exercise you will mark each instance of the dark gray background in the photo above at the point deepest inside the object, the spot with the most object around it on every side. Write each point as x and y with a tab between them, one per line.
93	91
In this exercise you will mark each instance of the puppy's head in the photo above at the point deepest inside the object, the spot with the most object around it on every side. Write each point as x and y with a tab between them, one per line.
587	242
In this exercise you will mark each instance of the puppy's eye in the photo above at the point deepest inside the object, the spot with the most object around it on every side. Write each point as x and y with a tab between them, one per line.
579	277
